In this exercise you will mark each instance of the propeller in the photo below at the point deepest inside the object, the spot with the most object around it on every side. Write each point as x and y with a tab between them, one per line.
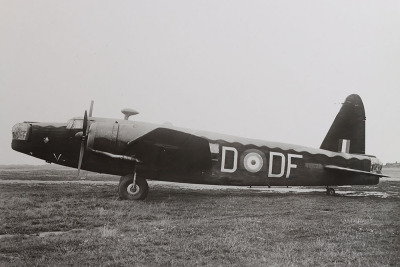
84	135
83	140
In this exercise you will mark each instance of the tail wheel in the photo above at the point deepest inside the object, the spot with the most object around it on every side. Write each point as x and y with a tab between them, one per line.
129	190
330	191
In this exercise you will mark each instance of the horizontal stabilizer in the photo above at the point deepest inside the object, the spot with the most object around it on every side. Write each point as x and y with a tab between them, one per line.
337	168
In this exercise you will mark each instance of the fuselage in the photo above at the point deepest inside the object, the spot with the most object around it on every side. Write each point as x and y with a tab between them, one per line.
170	153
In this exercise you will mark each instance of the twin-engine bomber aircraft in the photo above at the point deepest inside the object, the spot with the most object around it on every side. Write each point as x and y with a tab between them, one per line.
138	151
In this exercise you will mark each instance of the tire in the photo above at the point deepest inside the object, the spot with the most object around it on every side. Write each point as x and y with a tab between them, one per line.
126	190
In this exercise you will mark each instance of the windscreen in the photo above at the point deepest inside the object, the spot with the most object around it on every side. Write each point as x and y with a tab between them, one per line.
75	124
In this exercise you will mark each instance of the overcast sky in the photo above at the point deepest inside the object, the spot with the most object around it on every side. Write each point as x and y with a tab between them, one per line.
271	70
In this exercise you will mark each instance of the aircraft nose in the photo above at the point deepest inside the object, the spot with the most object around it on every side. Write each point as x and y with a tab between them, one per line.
21	134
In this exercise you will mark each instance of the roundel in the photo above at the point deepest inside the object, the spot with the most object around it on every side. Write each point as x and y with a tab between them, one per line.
253	162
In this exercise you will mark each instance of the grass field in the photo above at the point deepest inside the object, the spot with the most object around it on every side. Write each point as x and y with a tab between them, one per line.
81	224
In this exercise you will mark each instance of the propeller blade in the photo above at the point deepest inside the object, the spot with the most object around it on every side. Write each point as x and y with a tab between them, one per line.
91	109
81	156
83	142
85	124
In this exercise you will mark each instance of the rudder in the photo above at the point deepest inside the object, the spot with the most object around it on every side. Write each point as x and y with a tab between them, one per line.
348	128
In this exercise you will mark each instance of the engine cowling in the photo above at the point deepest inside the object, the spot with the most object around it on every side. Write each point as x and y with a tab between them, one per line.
103	136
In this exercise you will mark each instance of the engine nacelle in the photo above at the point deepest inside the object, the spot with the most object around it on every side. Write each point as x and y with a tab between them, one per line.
113	136
103	136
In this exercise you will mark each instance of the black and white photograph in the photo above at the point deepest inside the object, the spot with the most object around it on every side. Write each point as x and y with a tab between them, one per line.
200	133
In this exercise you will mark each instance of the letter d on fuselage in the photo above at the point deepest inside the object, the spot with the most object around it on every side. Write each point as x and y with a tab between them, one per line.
233	159
277	166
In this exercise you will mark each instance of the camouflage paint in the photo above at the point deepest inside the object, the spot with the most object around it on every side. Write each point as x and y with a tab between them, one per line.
168	153
182	155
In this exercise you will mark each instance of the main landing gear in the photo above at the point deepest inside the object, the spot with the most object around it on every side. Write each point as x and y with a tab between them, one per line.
132	187
330	191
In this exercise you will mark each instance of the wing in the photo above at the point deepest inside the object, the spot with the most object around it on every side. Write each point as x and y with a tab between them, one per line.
171	151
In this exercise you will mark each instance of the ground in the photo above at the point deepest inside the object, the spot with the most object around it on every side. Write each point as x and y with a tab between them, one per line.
83	223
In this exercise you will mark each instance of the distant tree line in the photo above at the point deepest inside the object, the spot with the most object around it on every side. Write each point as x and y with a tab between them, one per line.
393	165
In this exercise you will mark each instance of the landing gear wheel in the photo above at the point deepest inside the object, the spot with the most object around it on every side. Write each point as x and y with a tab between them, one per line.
127	190
330	191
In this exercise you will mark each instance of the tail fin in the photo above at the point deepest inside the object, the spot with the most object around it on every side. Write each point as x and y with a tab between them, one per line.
347	133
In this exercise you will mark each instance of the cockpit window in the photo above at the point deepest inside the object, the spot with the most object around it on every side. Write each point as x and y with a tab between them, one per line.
75	124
